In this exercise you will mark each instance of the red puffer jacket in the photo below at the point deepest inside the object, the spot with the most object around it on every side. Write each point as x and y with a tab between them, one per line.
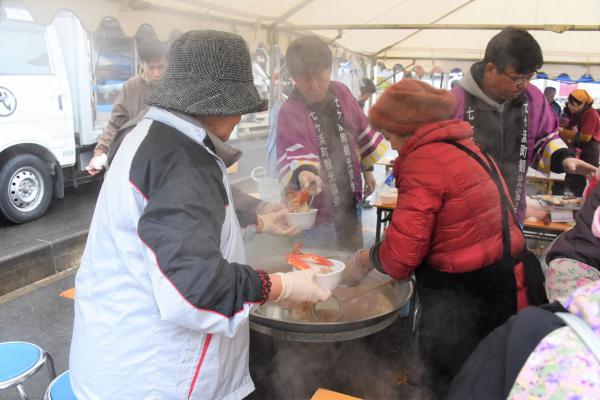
448	209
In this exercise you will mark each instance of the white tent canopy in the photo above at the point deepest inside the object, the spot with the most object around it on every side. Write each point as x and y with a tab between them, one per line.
446	33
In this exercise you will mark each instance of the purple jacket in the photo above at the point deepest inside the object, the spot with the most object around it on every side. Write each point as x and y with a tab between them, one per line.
297	145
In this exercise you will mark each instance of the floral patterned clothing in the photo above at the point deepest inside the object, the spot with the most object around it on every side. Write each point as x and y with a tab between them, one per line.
543	374
564	275
562	366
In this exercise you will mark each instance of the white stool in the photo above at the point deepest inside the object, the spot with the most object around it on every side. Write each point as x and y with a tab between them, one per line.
20	360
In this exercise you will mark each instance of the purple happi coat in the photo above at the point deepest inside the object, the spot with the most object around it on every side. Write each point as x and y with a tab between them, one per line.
542	127
297	145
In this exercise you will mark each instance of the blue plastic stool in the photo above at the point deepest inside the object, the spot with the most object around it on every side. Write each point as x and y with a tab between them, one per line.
20	360
60	388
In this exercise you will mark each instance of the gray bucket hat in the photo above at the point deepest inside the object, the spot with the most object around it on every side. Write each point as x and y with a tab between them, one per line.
209	74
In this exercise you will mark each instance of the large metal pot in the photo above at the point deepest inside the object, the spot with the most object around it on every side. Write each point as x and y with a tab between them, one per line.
271	319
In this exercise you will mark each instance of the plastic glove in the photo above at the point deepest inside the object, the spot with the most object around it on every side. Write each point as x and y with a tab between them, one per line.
573	165
269	207
306	178
299	286
357	269
370	183
96	164
275	224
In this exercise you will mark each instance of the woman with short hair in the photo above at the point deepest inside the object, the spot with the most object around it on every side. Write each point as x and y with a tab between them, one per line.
324	137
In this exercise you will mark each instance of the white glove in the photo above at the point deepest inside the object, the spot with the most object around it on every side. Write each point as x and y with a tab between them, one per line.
299	286
97	164
276	224
306	179
269	207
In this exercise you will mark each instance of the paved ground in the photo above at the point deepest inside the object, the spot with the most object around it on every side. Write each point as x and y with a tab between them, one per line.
38	314
64	216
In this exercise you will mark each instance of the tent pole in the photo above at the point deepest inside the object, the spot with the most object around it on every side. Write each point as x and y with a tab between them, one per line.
273	40
473	59
557	28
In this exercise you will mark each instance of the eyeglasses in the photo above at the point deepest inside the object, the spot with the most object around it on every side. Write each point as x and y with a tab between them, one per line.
517	80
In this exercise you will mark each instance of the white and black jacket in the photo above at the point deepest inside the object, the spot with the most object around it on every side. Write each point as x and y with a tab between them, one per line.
162	294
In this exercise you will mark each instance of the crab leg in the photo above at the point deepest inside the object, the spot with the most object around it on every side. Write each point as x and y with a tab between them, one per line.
317	259
297	262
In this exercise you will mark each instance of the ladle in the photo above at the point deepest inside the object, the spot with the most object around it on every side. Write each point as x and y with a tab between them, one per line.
334	304
312	190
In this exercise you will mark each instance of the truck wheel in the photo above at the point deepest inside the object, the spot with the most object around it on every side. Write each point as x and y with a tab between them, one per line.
25	188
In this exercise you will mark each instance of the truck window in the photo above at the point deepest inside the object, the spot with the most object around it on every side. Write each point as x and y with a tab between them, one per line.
114	64
26	45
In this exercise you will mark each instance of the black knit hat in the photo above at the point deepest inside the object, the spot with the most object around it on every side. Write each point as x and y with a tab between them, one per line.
210	74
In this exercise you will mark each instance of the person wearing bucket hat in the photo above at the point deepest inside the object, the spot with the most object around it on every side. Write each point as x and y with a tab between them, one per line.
512	120
582	132
163	290
453	227
324	137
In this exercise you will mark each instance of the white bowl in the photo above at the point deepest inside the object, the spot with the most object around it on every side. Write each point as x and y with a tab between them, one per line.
388	198
303	220
330	280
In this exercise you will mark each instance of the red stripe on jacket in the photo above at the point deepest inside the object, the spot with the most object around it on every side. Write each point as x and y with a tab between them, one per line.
204	349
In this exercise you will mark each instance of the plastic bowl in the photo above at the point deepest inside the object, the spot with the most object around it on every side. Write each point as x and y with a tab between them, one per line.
388	198
303	220
330	280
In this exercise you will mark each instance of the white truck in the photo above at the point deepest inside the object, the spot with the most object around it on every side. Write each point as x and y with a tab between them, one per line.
48	124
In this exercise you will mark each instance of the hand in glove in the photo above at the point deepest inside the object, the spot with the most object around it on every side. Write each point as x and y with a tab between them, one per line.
269	207
299	286
306	179
357	268
275	224
96	164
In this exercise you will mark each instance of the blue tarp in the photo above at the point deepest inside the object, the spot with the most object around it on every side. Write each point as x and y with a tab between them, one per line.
586	78
564	78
